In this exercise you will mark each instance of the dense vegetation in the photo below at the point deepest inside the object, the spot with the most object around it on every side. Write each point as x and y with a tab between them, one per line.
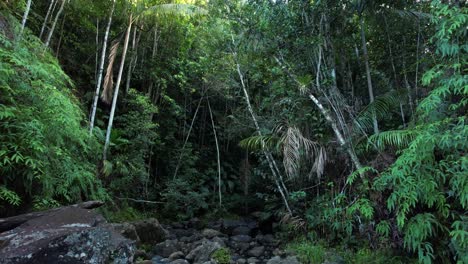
343	118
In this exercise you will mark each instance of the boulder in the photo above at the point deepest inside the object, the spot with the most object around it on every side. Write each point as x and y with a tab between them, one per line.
241	230
177	255
242	238
203	252
150	231
287	260
180	261
73	234
210	233
166	248
256	251
127	230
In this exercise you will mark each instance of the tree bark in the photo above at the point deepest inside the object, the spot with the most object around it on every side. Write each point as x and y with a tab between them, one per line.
25	17
116	89
276	176
368	73
52	29
100	70
220	197
187	138
46	19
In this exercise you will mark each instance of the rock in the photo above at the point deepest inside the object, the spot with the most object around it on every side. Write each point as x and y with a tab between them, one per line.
241	261
127	230
279	260
71	234
159	260
166	248
150	231
183	232
256	251
141	254
144	262
252	260
229	225
210	233
177	255
333	258
203	252
220	241
180	261
241	230
242	238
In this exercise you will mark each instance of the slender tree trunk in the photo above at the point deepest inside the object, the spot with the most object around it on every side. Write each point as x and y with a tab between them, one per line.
25	17
276	177
153	56
220	197
393	68
129	70
46	19
326	114
52	29
368	73
100	71
116	89
187	138
61	36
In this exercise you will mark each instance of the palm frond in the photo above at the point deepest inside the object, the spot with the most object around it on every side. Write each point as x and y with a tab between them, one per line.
296	148
254	143
381	107
108	86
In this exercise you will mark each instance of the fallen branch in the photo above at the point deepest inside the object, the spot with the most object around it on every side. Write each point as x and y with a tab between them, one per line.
139	201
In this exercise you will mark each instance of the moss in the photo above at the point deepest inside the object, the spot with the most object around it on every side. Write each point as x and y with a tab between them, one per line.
222	256
308	251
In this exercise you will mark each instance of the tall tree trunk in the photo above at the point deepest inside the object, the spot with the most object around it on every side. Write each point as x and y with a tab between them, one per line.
46	19
61	36
393	68
187	138
368	73
116	89
129	70
25	17
220	197
100	70
328	117
276	176
52	29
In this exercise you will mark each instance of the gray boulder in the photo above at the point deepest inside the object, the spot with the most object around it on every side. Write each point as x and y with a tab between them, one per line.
150	231
166	248
203	252
73	234
287	260
256	251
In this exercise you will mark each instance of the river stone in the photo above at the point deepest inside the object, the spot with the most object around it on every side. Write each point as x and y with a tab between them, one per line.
203	252
256	251
252	260
180	261
177	255
241	230
287	260
166	248
242	238
210	233
150	231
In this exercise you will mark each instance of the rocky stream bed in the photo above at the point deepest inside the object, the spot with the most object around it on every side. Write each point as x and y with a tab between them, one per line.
78	234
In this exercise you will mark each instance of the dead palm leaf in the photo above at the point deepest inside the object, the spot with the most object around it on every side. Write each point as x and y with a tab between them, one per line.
108	86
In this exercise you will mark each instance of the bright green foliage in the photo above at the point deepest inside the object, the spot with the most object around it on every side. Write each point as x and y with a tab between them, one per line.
222	256
308	252
45	153
131	143
428	182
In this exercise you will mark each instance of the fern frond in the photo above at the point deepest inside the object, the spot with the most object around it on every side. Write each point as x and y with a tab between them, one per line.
395	138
